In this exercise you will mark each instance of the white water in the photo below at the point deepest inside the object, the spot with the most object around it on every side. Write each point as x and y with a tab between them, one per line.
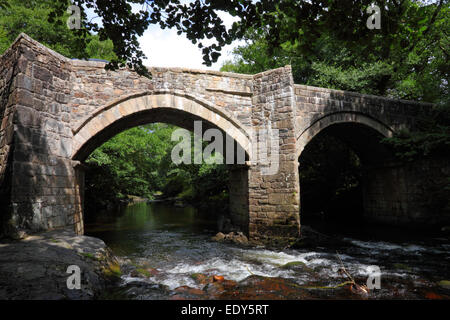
177	248
239	263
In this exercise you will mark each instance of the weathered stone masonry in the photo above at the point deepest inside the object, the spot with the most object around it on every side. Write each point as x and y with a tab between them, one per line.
55	111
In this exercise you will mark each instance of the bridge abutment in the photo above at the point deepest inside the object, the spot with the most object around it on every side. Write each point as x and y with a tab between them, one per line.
36	139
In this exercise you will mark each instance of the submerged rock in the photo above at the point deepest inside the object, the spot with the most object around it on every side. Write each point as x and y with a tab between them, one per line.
189	292
269	288
216	289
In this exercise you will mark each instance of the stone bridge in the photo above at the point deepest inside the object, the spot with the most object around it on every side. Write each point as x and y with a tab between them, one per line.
55	111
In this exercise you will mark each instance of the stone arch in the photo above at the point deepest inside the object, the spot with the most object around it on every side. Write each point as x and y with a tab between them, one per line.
340	118
163	106
362	134
172	106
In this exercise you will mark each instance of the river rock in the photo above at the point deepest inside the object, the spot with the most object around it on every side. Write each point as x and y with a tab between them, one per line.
240	238
218	237
267	288
235	237
36	267
201	278
218	278
188	292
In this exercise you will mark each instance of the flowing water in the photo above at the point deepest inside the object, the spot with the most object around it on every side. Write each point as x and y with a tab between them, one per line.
166	252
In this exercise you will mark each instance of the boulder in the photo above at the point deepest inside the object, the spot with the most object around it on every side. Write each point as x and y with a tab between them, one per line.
218	237
238	238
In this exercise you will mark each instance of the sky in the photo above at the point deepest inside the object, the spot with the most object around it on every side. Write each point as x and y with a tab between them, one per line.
165	48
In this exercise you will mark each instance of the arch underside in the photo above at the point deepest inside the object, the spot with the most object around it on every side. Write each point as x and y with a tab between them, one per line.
361	132
166	108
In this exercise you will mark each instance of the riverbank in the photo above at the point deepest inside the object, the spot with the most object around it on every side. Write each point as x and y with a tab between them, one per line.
36	266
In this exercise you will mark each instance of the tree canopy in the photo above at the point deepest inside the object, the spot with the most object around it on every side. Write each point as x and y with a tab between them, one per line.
31	17
411	31
407	58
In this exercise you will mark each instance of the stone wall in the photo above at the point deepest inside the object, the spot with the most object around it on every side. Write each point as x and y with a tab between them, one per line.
411	194
42	190
10	66
95	88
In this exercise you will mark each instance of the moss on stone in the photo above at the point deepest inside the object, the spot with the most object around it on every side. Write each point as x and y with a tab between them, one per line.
88	255
113	270
144	272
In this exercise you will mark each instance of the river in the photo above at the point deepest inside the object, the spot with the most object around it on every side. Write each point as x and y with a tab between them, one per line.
166	252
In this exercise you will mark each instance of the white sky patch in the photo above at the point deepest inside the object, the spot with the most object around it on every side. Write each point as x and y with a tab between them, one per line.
165	48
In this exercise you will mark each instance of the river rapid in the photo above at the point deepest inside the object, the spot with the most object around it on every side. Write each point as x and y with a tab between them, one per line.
166	252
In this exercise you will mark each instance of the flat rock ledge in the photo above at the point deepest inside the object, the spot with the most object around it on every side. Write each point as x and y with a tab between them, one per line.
36	267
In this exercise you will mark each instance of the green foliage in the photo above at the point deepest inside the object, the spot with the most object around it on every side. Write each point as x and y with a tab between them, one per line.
129	163
31	17
430	139
138	162
119	21
100	49
328	45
